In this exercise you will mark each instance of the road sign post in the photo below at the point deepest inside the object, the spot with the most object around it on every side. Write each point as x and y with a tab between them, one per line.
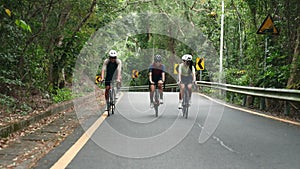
267	28
200	66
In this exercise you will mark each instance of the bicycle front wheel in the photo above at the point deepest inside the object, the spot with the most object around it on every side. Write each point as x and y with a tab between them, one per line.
186	111
112	101
156	103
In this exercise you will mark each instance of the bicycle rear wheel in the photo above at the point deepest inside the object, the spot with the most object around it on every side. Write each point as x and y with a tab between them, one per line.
186	111
112	104
185	105
109	103
156	102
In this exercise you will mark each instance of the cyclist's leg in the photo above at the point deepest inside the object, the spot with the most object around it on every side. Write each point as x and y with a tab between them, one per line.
106	94
184	80
160	87
190	93
180	95
151	87
107	87
190	87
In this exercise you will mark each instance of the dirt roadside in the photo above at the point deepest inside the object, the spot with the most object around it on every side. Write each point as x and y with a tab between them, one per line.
22	149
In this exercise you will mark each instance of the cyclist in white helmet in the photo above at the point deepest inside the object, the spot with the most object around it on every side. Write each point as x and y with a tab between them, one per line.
186	75
112	67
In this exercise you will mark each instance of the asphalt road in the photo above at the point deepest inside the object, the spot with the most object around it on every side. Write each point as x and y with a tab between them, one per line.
214	136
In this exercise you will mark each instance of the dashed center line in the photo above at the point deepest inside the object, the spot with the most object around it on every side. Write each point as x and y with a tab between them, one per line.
219	141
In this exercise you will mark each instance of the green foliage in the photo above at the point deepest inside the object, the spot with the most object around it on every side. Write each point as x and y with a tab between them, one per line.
63	94
41	39
10	104
7	102
237	77
22	24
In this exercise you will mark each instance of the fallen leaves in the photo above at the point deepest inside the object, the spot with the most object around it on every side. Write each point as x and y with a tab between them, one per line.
63	124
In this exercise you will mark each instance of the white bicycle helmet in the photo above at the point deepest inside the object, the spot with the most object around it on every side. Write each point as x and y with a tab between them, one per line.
187	57
113	53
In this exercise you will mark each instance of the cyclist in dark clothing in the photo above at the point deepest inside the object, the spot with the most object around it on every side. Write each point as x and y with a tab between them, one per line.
156	76
112	67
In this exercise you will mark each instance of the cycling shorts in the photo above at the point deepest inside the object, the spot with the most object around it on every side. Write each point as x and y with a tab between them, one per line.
186	79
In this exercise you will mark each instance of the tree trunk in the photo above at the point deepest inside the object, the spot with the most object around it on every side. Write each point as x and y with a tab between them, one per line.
58	64
294	79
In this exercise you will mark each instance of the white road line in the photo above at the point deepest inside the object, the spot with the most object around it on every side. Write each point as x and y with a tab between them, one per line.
252	112
219	141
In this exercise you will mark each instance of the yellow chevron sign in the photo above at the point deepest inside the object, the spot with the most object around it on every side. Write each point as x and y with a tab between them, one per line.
98	79
199	63
176	65
135	74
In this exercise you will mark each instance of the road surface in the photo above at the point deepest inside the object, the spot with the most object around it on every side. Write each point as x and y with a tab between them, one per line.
214	136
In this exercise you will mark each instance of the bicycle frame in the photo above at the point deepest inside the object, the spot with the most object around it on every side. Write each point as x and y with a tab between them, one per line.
185	101
111	99
156	99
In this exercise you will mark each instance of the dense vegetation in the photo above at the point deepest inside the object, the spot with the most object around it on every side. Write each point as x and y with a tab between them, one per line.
40	42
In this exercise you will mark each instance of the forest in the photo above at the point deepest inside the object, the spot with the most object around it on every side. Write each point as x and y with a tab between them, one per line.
45	42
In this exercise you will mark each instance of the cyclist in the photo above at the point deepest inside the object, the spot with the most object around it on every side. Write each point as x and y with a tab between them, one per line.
156	76
186	75
112	67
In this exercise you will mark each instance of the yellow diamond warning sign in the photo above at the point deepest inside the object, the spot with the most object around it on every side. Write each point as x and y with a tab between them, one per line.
268	27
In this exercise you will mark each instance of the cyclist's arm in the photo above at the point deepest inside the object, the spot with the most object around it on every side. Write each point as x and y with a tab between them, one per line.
163	77
104	68
119	69
179	72
150	74
194	73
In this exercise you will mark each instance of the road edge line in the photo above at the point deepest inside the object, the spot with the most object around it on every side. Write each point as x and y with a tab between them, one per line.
76	147
252	112
69	155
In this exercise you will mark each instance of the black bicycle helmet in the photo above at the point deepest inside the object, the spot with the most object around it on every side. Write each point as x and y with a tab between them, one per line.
157	58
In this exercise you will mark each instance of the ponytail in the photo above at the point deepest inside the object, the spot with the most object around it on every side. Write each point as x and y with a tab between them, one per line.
191	65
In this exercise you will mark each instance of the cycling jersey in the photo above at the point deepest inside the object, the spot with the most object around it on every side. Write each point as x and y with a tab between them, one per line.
156	72
111	68
186	73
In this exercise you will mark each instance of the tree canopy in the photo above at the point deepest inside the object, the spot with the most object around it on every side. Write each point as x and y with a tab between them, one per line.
41	40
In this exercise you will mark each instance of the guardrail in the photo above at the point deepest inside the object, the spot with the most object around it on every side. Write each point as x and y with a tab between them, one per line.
281	94
146	87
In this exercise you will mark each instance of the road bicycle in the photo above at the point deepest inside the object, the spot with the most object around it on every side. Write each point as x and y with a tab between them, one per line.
111	102
186	100
156	99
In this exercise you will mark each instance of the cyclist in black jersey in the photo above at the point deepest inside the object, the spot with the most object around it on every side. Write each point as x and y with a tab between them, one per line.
111	70
156	76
